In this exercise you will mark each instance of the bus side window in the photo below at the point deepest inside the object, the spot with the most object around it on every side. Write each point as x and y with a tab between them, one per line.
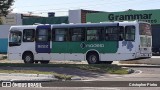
94	34
28	35
130	33
121	33
111	33
77	34
60	34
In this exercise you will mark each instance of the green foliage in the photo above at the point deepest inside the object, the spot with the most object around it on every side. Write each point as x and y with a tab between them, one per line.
5	7
57	75
62	76
101	68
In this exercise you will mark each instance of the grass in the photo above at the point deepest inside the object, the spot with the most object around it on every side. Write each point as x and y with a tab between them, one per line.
24	71
62	76
101	68
58	76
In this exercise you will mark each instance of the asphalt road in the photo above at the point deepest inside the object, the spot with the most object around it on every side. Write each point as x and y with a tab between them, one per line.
144	74
149	74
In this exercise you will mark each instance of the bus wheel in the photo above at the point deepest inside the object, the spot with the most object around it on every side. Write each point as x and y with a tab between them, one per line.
93	58
28	58
44	62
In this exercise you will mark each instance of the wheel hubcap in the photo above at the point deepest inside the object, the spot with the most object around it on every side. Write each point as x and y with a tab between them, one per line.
28	58
93	59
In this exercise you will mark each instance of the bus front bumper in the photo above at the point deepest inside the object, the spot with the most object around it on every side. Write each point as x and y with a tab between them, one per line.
145	55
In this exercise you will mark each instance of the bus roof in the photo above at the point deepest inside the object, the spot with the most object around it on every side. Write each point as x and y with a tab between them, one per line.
116	23
21	27
84	25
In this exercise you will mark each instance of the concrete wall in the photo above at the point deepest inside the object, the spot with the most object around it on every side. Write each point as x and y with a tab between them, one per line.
12	19
74	16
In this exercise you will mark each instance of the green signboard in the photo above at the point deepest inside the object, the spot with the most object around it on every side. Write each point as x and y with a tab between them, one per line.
151	16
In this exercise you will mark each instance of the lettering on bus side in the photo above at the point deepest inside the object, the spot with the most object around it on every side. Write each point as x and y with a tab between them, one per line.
83	45
42	46
95	45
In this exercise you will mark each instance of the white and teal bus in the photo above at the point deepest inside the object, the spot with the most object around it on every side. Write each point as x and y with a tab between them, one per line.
94	42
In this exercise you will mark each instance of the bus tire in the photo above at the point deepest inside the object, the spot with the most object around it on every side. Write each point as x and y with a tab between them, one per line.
28	58
44	62
93	58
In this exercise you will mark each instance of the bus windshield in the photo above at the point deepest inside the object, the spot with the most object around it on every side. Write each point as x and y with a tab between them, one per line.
145	29
15	38
145	34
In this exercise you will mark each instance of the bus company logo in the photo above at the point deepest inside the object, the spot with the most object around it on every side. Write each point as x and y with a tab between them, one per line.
95	45
83	45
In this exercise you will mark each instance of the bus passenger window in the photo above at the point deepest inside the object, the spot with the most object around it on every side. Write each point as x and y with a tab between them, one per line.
111	33
77	34
130	33
60	35
28	35
94	34
121	33
107	37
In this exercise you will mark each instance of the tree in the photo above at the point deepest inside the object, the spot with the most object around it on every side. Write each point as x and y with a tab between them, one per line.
5	7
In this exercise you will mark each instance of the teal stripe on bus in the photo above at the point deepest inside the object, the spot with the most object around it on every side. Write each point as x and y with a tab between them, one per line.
83	47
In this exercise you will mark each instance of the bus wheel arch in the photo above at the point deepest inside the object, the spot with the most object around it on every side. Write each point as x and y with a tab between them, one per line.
28	57
92	57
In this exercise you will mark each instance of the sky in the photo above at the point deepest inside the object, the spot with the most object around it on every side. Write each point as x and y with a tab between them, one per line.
61	7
